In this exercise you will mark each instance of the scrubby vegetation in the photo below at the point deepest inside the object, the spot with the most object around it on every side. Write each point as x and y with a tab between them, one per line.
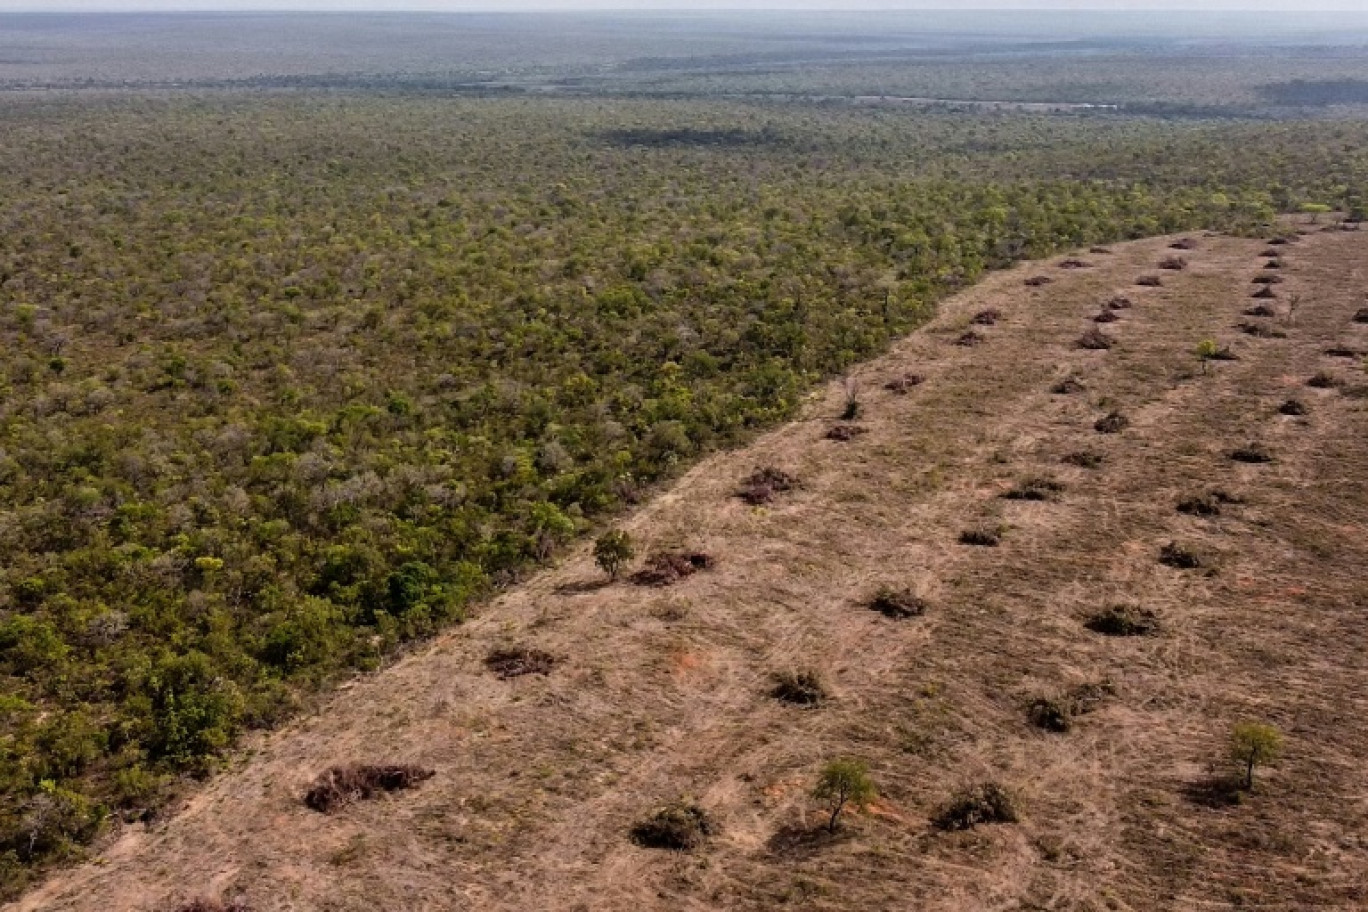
975	805
681	825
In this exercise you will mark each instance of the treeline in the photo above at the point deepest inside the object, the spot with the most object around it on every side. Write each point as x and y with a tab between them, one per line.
290	382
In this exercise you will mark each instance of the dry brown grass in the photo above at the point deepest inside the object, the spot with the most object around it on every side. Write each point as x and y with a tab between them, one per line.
661	693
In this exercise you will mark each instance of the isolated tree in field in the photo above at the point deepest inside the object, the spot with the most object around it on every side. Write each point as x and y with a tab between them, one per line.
1206	350
844	782
612	551
1253	744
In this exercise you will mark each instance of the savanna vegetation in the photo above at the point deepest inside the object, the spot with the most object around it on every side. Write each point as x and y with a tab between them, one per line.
291	380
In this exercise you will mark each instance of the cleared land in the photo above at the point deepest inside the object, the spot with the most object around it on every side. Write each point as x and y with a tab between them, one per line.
661	692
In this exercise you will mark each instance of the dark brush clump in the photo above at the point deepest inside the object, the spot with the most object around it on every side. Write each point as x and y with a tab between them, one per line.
971	338
1035	489
1124	621
1068	386
1342	351
1361	315
982	538
1037	281
1174	263
1260	310
1261	331
1184	244
987	317
979	804
342	785
1252	453
1268	280
1179	557
1265	293
1294	407
764	484
1084	459
1095	340
515	661
898	604
844	433
668	567
805	688
1075	264
1322	380
1119	302
1149	281
905	383
1057	714
679	826
1106	316
1111	423
1208	504
213	905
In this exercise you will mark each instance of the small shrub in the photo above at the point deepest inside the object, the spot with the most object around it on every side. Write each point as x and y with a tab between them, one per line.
970	339
843	782
667	567
1037	281
1273	264
1174	263
987	317
1050	713
1260	310
1293	407
764	483
1361	315
1075	264
1149	281
805	688
1035	489
1252	745
1268	280
1095	340
1253	453
1101	250
1184	244
979	804
1111	423
982	538
898	604
612	551
515	661
679	826
1270	252
1068	386
1342	351
1084	459
1119	302
1265	293
1124	621
1277	241
845	433
1106	316
1179	557
1322	380
904	384
342	785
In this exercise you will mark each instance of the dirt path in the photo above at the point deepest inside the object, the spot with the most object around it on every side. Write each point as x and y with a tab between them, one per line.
664	692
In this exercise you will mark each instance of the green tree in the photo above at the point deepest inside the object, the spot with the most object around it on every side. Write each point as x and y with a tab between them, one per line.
844	782
1253	744
613	550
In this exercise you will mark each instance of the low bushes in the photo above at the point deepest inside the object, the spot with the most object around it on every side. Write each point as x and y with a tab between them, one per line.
976	805
764	483
804	688
679	826
1124	621
898	604
515	661
667	567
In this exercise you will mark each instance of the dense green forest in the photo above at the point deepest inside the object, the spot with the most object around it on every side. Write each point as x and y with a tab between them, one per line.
292	379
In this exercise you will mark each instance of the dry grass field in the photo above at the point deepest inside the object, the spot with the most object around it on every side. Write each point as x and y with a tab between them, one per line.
661	692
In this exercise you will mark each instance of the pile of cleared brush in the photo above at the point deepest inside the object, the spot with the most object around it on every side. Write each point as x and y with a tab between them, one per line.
764	483
667	567
342	785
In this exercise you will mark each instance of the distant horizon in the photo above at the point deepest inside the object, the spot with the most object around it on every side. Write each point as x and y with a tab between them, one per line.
1190	7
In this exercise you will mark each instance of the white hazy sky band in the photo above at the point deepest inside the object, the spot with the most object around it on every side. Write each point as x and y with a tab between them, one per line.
1353	6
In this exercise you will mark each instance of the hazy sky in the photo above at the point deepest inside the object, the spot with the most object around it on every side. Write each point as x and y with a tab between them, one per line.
1357	6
